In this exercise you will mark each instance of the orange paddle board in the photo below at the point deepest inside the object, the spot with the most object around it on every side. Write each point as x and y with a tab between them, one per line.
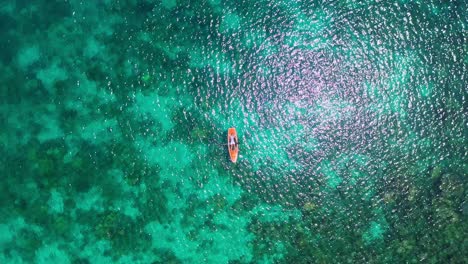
233	148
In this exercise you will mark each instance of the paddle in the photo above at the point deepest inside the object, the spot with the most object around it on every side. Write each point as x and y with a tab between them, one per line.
212	142
221	144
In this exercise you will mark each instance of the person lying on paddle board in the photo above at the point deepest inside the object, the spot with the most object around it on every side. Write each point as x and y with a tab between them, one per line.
233	145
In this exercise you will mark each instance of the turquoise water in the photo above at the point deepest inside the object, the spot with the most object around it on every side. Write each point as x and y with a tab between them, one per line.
352	122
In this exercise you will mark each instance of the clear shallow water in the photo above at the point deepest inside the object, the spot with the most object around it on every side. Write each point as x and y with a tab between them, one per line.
351	117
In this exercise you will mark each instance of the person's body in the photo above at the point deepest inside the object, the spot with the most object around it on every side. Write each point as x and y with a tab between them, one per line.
233	142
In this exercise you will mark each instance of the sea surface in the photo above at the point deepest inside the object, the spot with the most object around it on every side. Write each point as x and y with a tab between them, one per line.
352	119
